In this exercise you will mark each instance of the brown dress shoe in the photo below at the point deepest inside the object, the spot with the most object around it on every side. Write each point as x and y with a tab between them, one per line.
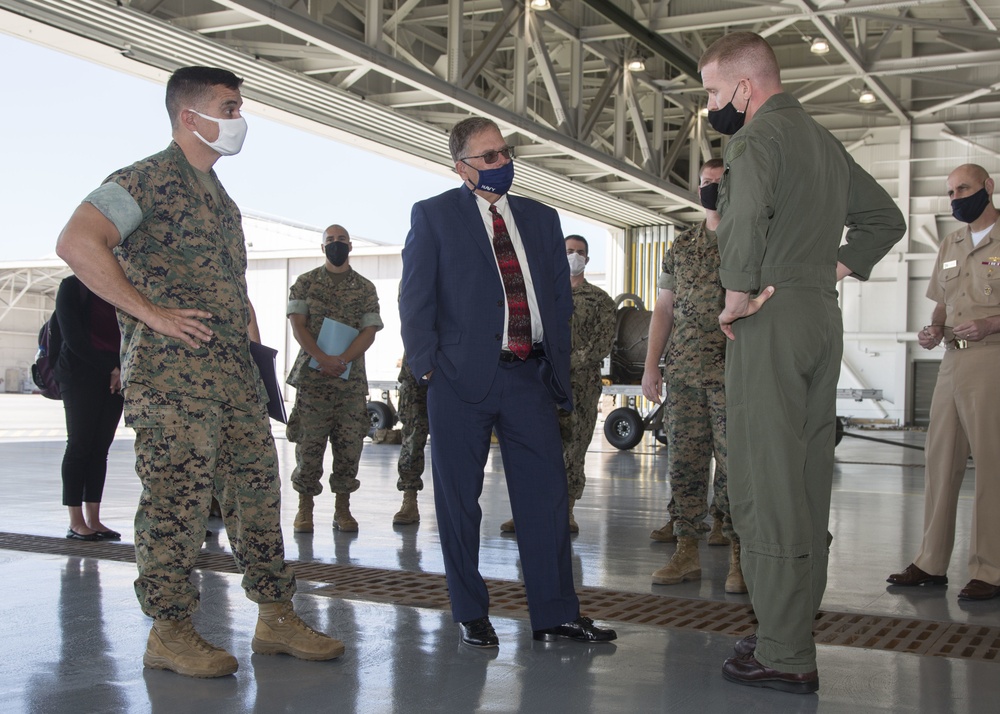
979	590
746	647
913	576
748	671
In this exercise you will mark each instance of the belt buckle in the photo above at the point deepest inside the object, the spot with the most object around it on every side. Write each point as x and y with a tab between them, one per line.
961	344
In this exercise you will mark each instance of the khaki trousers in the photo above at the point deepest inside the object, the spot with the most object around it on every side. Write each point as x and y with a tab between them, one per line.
965	418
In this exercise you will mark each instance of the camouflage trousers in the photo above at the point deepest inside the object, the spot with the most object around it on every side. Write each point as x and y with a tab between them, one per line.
413	416
695	419
185	450
319	416
577	429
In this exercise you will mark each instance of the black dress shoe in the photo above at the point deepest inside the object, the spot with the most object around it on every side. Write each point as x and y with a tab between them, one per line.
479	633
914	576
747	646
748	671
73	535
979	590
582	629
108	535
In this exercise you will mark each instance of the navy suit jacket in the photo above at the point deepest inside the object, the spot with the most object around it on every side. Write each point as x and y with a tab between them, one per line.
451	302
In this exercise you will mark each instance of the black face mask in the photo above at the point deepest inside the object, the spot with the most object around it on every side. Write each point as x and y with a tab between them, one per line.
968	209
336	252
709	195
727	120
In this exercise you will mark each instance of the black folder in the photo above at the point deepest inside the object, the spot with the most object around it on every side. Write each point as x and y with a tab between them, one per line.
266	357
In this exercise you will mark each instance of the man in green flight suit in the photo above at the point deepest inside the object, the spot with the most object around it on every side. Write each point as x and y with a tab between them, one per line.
788	190
162	241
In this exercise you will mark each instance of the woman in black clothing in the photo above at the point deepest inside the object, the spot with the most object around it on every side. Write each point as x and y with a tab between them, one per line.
88	370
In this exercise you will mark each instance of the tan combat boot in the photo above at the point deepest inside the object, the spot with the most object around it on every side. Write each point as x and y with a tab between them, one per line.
573	527
175	645
507	526
342	518
408	512
684	565
281	631
304	518
664	534
735	584
717	537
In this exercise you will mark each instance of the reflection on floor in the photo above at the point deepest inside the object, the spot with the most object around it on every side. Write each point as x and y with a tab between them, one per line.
74	635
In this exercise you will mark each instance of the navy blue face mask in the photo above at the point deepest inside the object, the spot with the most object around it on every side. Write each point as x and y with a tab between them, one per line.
968	209
496	180
727	120
336	252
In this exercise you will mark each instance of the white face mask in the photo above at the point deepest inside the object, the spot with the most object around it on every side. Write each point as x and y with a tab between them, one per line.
232	133
577	263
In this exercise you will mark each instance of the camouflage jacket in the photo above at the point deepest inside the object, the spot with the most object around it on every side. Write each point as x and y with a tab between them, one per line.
352	301
696	353
593	326
187	252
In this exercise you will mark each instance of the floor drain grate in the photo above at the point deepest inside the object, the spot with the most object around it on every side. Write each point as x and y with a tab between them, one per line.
429	590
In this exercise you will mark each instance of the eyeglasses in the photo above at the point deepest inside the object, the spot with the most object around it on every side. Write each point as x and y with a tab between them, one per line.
490	157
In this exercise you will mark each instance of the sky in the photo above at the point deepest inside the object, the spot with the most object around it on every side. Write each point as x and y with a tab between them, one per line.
68	123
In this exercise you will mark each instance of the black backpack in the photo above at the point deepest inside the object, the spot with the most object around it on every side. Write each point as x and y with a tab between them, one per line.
43	371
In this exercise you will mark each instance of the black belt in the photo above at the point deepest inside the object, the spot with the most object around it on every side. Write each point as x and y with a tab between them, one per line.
536	353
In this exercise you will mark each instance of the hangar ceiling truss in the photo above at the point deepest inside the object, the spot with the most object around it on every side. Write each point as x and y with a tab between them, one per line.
619	145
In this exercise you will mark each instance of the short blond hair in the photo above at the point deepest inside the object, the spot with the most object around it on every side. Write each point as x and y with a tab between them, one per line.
746	51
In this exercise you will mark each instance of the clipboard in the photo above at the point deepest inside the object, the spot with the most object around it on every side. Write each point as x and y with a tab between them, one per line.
335	337
266	359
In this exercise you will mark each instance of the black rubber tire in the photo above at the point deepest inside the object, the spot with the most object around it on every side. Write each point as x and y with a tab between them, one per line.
380	416
623	428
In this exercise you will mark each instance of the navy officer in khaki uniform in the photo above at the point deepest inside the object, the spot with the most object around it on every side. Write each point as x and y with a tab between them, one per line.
965	408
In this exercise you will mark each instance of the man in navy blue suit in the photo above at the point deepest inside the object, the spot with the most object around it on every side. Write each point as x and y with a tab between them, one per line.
485	305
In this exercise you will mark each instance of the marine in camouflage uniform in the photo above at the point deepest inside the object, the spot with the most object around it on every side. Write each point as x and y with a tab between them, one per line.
199	414
695	373
162	241
415	427
593	326
327	407
593	331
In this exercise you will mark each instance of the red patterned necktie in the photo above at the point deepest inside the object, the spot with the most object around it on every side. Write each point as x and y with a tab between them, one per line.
518	313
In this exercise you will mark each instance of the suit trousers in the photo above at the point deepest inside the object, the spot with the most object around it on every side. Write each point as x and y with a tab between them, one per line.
781	387
523	414
965	418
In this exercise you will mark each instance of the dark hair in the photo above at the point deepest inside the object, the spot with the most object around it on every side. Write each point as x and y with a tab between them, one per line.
586	245
189	86
465	130
712	164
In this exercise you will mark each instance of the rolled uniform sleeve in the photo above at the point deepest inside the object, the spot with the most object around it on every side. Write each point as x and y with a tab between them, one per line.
297	307
118	205
667	280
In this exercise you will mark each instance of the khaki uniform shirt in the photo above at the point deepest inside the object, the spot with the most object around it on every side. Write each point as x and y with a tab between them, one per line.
696	353
772	231
351	300
188	251
964	280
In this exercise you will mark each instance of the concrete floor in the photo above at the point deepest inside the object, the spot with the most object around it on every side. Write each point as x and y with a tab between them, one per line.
73	634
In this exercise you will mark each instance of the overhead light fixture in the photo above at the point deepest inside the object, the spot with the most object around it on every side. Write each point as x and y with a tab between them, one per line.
867	97
540	5
819	46
636	64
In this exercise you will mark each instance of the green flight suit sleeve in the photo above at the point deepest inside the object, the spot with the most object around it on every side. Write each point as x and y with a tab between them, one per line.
746	197
874	224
